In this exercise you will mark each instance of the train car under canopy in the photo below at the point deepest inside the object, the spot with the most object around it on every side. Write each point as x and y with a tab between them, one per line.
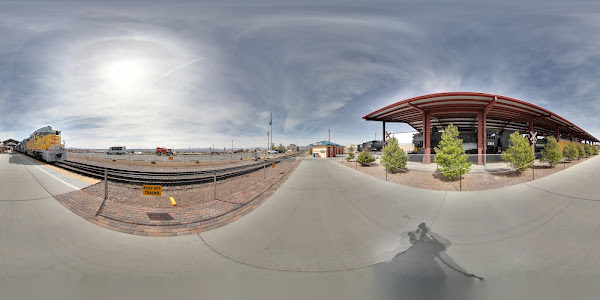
479	111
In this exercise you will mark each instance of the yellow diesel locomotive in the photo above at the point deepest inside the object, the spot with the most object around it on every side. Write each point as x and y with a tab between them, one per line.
45	144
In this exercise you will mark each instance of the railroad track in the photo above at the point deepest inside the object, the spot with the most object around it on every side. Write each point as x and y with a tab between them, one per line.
164	178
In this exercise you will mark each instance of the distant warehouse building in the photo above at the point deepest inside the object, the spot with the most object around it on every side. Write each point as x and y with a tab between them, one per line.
293	148
326	149
484	121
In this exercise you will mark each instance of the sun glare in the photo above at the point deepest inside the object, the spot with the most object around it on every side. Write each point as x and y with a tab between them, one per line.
126	75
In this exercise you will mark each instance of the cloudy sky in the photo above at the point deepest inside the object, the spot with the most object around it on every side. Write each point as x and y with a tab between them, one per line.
193	74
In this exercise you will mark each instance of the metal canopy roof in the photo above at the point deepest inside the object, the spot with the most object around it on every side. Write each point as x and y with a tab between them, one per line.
325	143
461	108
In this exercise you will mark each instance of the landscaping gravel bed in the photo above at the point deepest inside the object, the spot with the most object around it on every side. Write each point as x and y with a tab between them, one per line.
189	194
473	181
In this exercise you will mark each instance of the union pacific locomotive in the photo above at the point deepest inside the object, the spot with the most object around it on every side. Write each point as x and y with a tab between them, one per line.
45	144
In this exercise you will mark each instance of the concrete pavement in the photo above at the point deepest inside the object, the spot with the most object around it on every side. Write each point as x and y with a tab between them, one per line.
535	240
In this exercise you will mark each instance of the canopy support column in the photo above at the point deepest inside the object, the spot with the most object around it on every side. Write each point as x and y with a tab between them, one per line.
383	143
427	137
480	137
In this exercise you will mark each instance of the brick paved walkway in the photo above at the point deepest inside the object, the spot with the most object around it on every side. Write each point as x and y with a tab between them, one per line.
172	221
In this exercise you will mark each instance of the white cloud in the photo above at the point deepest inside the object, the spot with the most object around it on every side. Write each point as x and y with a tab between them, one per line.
191	75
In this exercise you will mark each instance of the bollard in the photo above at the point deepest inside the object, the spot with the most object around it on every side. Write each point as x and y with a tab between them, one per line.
533	171
215	186
105	184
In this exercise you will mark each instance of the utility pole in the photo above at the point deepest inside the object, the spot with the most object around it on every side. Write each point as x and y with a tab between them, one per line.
271	123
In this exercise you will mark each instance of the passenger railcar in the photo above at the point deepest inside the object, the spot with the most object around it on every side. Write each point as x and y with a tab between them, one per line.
45	144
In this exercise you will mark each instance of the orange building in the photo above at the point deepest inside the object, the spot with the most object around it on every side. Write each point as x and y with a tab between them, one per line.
326	149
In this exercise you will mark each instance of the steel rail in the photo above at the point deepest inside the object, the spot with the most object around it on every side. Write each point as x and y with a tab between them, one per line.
164	178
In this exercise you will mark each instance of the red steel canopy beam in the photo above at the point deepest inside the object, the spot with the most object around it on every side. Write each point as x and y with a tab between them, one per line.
427	137
480	137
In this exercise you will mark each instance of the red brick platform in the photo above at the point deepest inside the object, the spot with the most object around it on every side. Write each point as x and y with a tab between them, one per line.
172	221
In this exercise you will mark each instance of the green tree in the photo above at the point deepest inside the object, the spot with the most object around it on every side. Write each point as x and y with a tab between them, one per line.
450	154
580	150
394	158
589	149
310	151
365	158
350	154
570	151
594	150
551	152
519	153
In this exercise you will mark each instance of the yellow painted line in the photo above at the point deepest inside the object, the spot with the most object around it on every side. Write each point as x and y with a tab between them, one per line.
76	176
173	202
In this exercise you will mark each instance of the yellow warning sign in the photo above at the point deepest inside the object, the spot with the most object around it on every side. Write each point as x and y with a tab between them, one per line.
170	157
152	190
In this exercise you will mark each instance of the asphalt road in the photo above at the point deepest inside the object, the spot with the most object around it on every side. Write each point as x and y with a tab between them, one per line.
361	238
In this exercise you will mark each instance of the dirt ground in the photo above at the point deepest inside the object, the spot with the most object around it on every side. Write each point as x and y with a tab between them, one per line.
472	181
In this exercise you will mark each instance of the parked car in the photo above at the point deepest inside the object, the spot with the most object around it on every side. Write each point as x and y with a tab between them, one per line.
272	152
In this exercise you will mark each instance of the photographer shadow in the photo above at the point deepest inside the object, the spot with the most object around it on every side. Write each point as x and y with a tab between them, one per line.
425	271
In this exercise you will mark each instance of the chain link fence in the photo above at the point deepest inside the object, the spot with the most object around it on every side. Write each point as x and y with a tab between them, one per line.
486	172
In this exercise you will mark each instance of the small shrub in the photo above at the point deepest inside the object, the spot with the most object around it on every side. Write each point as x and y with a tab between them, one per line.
365	158
519	154
589	149
394	158
450	154
595	150
350	154
551	152
580	150
570	151
310	152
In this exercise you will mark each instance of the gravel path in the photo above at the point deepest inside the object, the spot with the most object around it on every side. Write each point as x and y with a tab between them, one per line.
472	181
189	194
